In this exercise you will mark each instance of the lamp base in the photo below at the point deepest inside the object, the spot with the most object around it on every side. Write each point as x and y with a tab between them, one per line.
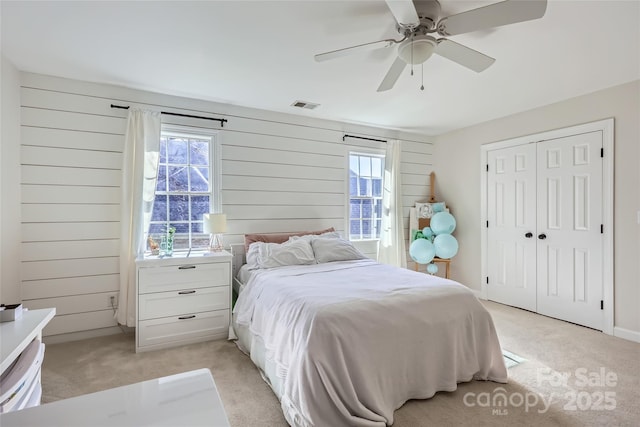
215	243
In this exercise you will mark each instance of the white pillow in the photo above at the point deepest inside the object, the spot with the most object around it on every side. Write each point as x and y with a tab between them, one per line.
252	255
328	250
269	255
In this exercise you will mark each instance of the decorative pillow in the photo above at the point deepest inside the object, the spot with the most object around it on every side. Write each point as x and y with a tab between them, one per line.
328	250
277	237
269	255
310	237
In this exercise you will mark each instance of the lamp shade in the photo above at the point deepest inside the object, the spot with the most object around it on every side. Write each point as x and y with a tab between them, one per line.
214	223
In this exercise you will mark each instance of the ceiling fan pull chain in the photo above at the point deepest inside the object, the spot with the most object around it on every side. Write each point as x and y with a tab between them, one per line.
412	54
422	86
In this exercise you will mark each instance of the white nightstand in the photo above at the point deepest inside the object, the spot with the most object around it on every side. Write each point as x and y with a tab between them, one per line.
182	300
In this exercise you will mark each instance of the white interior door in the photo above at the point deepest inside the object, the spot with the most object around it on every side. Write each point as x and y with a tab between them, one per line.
569	237
511	206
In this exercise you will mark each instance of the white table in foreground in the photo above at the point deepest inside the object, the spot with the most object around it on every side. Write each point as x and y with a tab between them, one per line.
187	399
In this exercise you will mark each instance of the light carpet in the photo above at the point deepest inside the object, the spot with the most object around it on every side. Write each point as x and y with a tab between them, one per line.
560	363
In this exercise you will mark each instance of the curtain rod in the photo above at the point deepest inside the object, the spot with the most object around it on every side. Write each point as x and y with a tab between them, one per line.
222	121
362	137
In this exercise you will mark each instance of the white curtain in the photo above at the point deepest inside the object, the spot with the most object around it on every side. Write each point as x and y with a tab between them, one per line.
391	246
139	171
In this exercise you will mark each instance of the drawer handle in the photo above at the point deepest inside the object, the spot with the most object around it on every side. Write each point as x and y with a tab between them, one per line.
186	267
186	317
186	292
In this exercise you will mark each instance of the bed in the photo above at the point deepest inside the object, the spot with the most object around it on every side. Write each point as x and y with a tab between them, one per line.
345	341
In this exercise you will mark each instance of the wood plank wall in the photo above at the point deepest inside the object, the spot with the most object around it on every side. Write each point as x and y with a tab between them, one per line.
277	175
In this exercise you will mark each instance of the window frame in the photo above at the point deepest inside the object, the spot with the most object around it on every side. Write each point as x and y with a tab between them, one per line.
367	152
215	174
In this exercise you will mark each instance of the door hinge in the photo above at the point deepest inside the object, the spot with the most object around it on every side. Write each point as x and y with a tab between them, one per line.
601	304
602	152
487	280
487	224
487	167
601	228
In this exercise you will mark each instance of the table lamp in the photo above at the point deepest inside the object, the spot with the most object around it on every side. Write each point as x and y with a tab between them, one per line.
215	224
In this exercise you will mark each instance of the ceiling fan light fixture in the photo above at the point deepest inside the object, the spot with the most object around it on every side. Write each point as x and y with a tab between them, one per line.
422	46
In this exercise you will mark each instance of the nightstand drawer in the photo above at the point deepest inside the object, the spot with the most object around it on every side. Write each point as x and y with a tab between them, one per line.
192	327
184	276
184	301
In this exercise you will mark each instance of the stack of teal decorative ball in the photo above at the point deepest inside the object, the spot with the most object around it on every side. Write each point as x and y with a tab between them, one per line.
436	240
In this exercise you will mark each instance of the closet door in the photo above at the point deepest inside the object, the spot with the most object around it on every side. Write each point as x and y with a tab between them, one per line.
511	202
570	265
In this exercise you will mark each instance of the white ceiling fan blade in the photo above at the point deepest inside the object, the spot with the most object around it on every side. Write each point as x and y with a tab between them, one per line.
493	15
392	75
463	55
405	12
354	49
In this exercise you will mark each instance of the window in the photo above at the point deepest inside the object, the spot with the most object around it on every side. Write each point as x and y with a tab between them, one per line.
365	195
186	187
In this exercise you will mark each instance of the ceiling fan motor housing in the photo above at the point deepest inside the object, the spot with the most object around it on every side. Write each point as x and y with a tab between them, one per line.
418	46
428	11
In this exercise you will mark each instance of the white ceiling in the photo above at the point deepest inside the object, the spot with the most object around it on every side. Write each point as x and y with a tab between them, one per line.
260	54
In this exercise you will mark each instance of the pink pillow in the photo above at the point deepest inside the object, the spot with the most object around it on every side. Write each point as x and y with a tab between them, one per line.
278	237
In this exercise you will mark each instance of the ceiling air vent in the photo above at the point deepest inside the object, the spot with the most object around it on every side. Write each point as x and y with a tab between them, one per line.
304	104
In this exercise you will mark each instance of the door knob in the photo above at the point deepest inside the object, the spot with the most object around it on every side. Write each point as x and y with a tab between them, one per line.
528	235
542	236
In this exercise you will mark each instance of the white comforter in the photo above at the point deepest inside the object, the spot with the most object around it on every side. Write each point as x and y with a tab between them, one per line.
355	340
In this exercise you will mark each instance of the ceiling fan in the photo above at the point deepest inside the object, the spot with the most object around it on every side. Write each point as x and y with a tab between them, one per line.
417	20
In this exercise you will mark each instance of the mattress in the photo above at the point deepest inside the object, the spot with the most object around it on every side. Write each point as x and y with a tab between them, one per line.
244	274
250	344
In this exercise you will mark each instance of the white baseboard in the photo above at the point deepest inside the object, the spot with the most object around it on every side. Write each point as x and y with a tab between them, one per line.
626	334
82	335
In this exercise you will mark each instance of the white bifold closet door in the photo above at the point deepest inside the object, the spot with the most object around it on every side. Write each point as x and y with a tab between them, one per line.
545	217
511	202
569	229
